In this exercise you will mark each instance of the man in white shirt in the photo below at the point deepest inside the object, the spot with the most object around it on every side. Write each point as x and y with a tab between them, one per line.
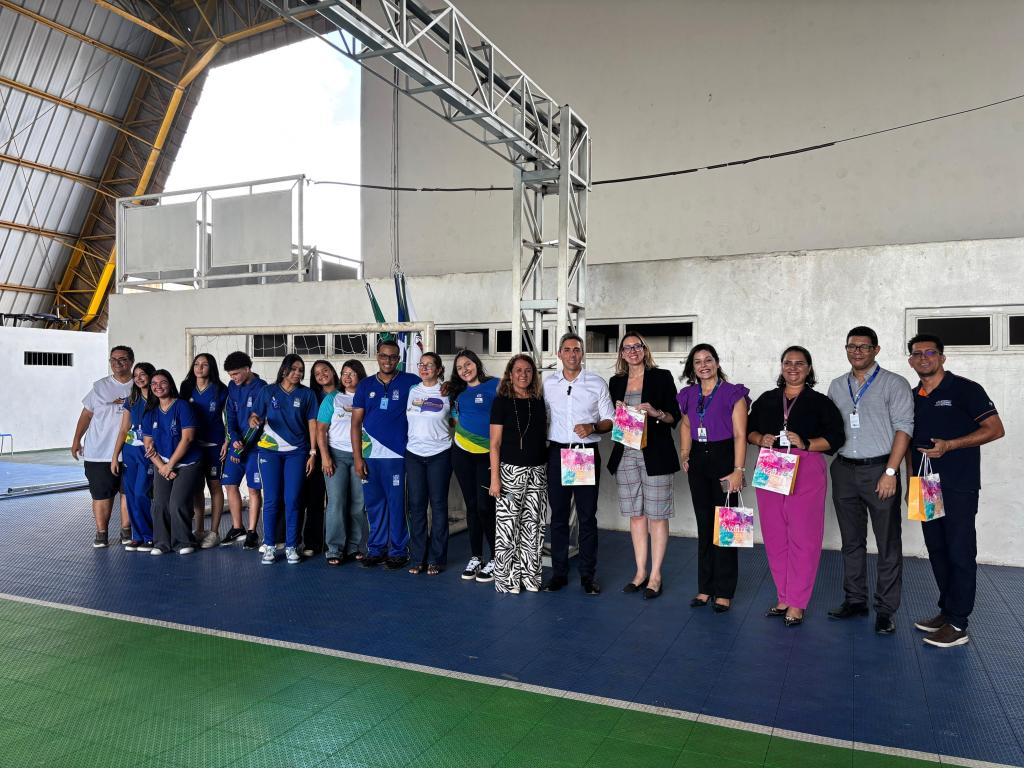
98	424
579	410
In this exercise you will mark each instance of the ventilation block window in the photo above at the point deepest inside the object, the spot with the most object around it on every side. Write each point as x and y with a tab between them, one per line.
351	345
61	359
450	340
1016	330
503	341
269	345
602	339
665	336
310	344
973	331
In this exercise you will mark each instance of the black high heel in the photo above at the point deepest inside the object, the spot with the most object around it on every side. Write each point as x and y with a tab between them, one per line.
630	588
698	603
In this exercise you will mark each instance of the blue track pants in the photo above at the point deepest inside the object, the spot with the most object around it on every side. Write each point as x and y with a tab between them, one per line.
384	496
283	475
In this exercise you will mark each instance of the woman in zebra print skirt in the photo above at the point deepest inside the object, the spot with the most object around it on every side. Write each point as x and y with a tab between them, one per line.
518	476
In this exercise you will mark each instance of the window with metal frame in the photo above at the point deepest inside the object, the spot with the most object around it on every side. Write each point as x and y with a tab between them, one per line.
55	359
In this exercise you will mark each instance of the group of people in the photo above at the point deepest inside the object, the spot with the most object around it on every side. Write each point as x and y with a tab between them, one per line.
358	467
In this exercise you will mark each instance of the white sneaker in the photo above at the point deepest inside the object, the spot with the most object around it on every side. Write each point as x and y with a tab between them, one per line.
210	540
186	550
156	551
472	567
292	555
269	556
486	573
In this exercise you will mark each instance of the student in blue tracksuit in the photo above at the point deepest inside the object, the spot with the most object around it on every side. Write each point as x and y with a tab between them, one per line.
287	412
379	425
202	388
137	483
241	460
168	431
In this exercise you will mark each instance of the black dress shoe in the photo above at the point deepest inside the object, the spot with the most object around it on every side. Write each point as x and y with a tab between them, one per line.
848	611
884	624
651	594
394	563
630	588
554	584
371	561
721	607
591	586
775	611
698	603
794	621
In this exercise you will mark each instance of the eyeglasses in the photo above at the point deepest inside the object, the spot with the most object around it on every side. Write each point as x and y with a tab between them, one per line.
794	363
426	366
632	347
859	347
923	353
120	360
381	356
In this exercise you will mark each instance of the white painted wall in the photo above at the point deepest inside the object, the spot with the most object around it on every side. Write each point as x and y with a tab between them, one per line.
750	307
41	404
667	84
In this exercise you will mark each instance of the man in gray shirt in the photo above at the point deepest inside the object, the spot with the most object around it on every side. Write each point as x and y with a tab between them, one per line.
878	412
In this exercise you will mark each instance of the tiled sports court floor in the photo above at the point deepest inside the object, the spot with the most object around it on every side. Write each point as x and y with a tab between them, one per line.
112	658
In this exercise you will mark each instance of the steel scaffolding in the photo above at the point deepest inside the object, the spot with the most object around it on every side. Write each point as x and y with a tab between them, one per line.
446	64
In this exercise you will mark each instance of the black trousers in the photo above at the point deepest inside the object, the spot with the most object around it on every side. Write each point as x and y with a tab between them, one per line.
311	511
854	497
561	498
473	471
952	543
717	567
172	507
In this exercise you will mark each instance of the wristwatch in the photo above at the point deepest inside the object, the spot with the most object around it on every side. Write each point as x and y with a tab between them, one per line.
890	472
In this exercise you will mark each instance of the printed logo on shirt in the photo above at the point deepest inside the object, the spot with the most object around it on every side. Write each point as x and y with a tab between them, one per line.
213	407
248	403
426	405
174	426
396	480
943	403
297	403
273	401
479	399
395	394
373	395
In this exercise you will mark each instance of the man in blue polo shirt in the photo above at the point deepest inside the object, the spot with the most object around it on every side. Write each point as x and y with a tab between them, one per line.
953	418
379	425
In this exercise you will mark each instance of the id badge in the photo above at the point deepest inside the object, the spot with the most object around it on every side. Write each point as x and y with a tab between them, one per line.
702	434
854	421
783	439
384	403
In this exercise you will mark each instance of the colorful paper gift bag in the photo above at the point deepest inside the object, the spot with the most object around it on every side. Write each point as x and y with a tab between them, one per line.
630	427
734	526
924	501
578	466
775	471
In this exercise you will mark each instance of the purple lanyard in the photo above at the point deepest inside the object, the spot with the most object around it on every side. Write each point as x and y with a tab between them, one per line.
787	408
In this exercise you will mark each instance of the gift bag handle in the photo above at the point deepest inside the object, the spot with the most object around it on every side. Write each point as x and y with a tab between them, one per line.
926	466
739	495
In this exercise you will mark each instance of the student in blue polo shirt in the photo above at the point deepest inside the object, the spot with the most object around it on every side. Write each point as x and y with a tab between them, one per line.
379	425
203	389
953	418
242	459
137	482
287	412
168	431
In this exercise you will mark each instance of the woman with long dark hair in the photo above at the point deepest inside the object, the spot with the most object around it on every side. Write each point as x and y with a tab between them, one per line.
644	476
287	411
324	382
168	432
203	388
137	483
472	392
345	520
712	451
519	457
795	417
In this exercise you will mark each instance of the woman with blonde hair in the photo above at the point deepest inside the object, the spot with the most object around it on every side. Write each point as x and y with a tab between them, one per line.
644	475
519	454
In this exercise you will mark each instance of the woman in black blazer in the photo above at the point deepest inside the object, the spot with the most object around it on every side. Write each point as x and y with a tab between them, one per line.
644	476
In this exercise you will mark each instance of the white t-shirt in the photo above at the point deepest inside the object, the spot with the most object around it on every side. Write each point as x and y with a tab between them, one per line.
428	413
339	434
106	402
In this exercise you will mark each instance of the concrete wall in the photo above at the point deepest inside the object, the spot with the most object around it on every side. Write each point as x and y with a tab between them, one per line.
41	404
749	306
667	84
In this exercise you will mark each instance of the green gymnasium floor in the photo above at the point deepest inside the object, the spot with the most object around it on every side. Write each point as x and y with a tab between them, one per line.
86	690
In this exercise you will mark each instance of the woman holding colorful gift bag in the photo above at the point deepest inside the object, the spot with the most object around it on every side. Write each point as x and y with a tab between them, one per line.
795	418
712	450
644	475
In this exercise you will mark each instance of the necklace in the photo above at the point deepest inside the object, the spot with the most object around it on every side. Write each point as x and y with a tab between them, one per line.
529	415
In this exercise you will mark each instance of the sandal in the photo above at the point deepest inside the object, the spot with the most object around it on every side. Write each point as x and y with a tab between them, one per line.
416	570
333	561
433	570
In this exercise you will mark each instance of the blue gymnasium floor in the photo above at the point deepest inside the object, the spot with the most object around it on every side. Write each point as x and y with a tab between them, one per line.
829	679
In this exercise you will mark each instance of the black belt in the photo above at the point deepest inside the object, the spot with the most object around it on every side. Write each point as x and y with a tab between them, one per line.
865	462
553	444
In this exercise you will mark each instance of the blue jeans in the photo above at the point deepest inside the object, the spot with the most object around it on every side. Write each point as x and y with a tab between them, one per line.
283	474
428	477
345	519
384	494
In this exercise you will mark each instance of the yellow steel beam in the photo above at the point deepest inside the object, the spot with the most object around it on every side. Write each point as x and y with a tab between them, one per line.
61	101
86	181
158	31
74	33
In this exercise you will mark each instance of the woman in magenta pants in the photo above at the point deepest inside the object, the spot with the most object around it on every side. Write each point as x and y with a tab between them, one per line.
793	416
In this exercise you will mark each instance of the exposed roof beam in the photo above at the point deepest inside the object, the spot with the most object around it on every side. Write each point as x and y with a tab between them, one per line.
86	181
158	31
51	234
25	288
74	33
59	100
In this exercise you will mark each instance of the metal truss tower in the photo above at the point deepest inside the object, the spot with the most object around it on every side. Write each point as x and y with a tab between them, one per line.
444	62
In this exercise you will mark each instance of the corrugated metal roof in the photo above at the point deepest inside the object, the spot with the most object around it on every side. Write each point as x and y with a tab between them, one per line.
62	102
